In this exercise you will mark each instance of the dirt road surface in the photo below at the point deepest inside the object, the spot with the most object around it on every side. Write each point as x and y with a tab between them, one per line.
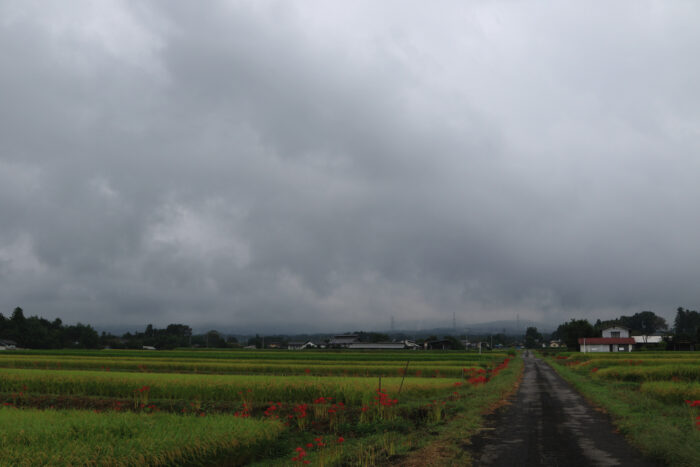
550	424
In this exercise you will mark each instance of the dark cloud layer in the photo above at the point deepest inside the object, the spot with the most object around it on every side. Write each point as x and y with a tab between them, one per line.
310	165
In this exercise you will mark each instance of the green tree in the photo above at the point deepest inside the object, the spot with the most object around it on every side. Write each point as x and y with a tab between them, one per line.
18	315
644	323
533	338
571	331
687	324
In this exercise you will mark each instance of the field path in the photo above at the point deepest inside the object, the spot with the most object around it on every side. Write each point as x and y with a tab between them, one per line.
550	424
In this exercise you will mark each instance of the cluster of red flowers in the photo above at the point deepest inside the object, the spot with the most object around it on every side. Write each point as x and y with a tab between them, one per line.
695	403
274	407
300	410
383	399
476	376
143	389
593	370
300	452
300	455
501	366
561	357
476	380
244	412
335	408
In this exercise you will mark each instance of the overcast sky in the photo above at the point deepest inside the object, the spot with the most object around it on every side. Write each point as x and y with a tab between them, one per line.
323	166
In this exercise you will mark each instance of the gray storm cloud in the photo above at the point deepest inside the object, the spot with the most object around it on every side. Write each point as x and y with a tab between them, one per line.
323	166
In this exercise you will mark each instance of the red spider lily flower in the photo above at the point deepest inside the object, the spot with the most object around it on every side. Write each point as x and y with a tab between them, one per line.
309	445
307	371
693	403
341	439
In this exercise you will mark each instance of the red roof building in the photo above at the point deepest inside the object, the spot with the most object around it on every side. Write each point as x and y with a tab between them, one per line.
616	340
606	340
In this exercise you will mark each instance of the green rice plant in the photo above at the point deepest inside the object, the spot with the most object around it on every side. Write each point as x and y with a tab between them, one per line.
639	374
256	389
339	356
672	392
354	367
33	437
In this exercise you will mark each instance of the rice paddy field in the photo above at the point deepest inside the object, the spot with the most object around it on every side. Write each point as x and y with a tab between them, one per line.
236	407
653	397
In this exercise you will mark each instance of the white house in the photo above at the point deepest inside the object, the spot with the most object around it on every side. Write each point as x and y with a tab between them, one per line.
615	339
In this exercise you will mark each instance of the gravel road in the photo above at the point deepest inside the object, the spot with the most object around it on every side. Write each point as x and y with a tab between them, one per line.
550	424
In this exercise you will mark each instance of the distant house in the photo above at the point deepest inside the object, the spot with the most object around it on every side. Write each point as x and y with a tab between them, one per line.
555	344
343	341
6	344
148	347
300	345
615	339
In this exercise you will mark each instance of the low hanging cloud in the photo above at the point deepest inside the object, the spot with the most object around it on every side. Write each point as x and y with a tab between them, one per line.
311	166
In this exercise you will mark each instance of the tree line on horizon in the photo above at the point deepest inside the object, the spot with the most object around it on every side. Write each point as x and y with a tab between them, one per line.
38	333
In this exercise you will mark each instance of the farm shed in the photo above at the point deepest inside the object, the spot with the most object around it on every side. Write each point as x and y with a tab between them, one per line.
383	345
343	340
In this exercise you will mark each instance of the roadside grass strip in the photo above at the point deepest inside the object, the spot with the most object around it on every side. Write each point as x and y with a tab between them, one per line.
34	437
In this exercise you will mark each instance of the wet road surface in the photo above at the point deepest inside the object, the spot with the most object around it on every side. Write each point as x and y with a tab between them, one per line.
550	424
